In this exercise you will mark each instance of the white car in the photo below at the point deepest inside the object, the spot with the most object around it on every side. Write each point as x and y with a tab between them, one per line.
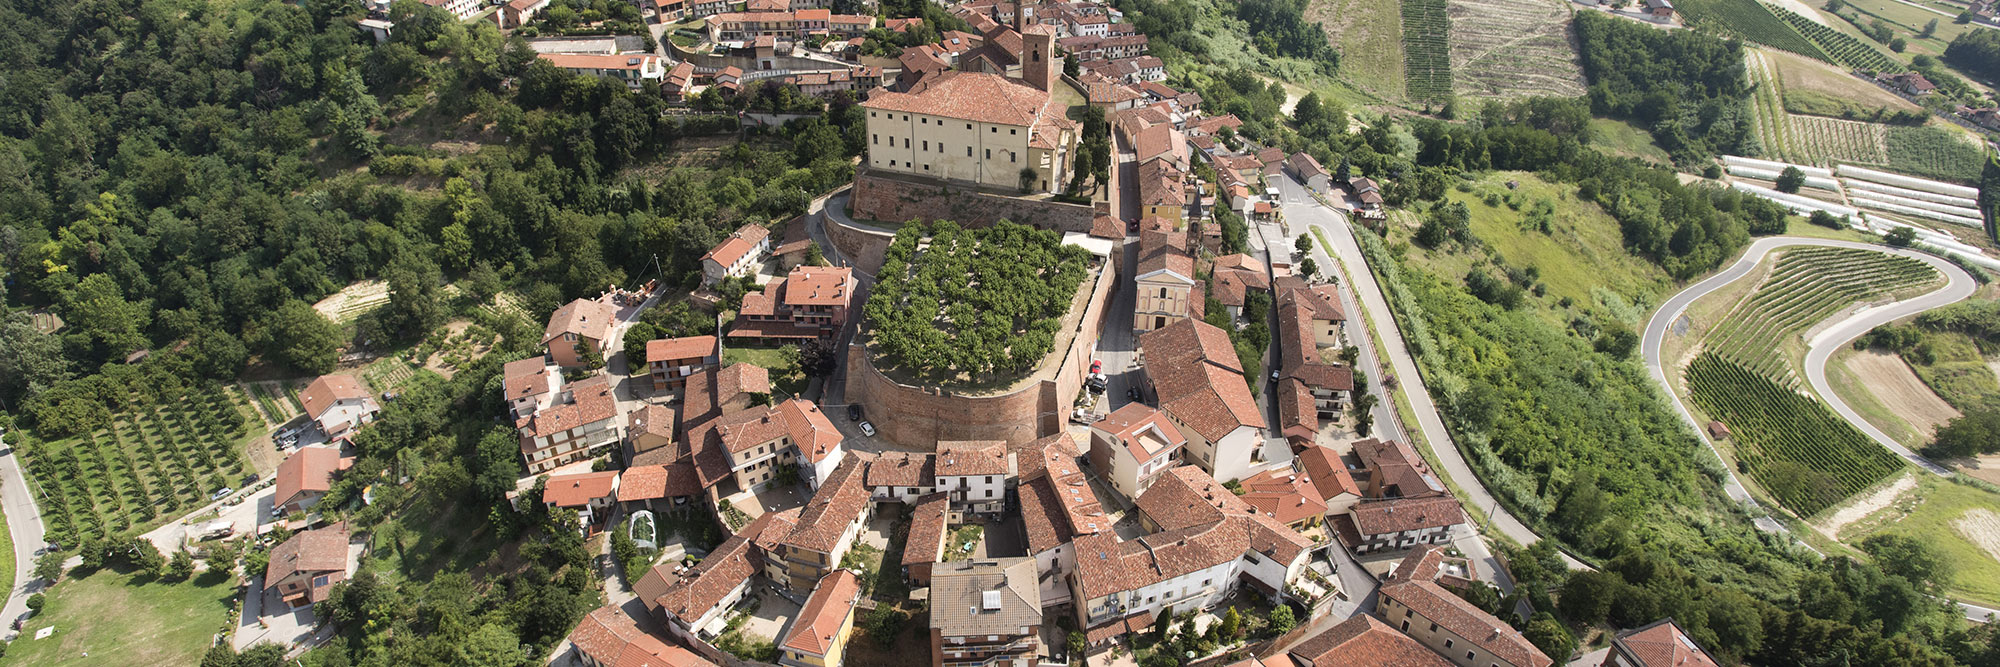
868	429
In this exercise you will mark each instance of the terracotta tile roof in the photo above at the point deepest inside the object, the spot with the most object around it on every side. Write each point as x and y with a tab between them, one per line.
1283	495
794	247
819	286
904	469
310	469
829	607
323	550
1239	261
652	419
1321	301
1453	613
974	96
1298	415
709	390
1233	285
692	595
1305	165
670	349
1057	503
841	500
613	639
1165	253
1210	399
524	378
809	429
1161	141
579	489
1105	566
750	428
1189	342
651	482
327	390
971	458
1381	517
1119	627
1328	474
1396	471
1107	227
1185	496
1126	425
1662	643
587	318
925	542
1362	640
593	403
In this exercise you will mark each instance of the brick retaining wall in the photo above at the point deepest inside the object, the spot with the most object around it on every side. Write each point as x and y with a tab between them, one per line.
893	199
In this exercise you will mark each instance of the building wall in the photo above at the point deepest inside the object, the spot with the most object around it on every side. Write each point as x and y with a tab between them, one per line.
926	415
571	446
984	493
1174	212
564	350
1198	589
880	195
1229	459
1437	638
990	154
1150	306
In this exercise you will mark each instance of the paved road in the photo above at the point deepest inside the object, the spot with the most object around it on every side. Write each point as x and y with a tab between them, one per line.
24	524
1301	209
1958	286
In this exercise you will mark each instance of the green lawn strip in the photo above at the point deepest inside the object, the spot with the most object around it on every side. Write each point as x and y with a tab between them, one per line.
785	376
126	619
6	554
1928	514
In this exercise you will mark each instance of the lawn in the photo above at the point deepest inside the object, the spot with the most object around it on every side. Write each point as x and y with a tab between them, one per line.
1618	137
1960	375
960	539
6	555
785	375
1582	256
126	619
1932	513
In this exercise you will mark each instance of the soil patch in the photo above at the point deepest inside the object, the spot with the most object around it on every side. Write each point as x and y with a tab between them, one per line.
1985	468
1981	527
1866	505
353	300
1899	389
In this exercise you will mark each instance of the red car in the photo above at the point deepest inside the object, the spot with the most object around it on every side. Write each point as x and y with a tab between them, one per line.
1096	366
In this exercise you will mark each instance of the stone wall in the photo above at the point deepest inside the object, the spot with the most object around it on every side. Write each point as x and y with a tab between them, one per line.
915	416
898	199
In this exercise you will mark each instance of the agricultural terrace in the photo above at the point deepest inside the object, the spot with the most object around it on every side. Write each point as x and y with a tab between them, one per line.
1369	36
1750	20
1817	88
1427	50
1933	152
1807	285
956	305
1513	48
156	461
1840	48
1809	140
1958	520
1799	451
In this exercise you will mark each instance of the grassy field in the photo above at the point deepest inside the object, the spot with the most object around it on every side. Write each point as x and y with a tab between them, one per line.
1907	21
126	619
1960	375
1848	384
1821	89
1932	513
1618	137
1513	48
1369	36
1581	256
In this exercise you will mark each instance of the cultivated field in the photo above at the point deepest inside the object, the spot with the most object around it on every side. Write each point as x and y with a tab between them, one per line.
1810	140
155	462
1883	389
1750	20
1958	519
1839	47
353	301
1932	152
1806	286
1814	87
1791	444
1427	50
1369	36
1513	48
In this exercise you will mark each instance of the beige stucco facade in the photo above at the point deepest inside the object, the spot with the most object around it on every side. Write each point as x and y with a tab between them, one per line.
989	154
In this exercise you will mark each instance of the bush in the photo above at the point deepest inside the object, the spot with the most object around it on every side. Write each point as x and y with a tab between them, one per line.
36	601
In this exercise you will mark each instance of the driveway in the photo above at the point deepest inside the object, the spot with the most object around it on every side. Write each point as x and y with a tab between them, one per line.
24	523
1303	210
773	616
246	516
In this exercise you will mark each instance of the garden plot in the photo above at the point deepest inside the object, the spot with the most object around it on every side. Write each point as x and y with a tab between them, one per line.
353	301
1809	140
1427	50
154	462
1513	48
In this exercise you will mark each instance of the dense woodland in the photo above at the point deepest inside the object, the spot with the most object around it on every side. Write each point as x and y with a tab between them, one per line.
1687	88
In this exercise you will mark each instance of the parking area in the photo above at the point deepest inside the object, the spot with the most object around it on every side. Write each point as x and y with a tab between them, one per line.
878	530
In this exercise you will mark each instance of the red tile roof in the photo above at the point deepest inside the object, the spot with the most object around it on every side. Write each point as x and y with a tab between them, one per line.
1362	640
1056	501
1395	470
840	501
579	489
672	349
739	243
310	552
1406	514
651	482
971	458
1199	380
925	542
593	403
602	61
327	390
1662	643
526	377
819	621
903	469
310	469
819	286
613	639
1202	525
1126	424
710	390
694	594
1327	472
1283	495
1453	613
810	430
652	419
587	318
974	96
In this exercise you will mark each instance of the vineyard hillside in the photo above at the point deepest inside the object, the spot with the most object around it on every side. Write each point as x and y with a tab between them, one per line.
1513	48
1791	444
1369	35
1821	89
1427	50
1750	20
1806	286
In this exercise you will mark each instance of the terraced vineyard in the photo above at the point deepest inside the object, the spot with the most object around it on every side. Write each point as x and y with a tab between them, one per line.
1751	20
1812	140
1838	47
1932	153
1427	50
154	463
1791	444
1513	48
1807	285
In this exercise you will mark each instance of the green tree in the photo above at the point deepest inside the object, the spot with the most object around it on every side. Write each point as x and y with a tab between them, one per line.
1282	619
636	337
1549	635
49	566
1791	179
1901	237
1976	432
1232	623
416	304
1920	562
1304	244
299	337
100	316
29	360
180	566
1308	268
1930	28
1899	45
492	645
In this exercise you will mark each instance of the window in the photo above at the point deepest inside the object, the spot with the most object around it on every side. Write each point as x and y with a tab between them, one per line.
1163	292
892	163
1468	655
875	139
989	479
1013	131
989	493
927	145
1434	628
1447	643
989	153
968	151
1406	613
968	126
925	121
906	142
992	130
319	580
1406	626
1013	156
1149	599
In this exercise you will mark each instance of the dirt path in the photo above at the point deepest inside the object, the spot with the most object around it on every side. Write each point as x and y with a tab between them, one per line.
1900	390
1982	527
1862	507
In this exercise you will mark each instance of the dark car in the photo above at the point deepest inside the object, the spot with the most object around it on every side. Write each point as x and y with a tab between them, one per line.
854	412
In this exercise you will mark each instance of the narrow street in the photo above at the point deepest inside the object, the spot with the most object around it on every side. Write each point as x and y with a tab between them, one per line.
1303	210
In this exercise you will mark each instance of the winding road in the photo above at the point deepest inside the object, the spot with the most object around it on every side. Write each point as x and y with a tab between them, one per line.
1958	286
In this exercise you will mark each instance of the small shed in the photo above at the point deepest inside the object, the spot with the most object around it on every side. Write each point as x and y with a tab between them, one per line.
1716	431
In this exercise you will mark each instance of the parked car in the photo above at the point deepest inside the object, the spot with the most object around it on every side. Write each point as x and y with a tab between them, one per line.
220	493
854	412
868	429
1096	366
